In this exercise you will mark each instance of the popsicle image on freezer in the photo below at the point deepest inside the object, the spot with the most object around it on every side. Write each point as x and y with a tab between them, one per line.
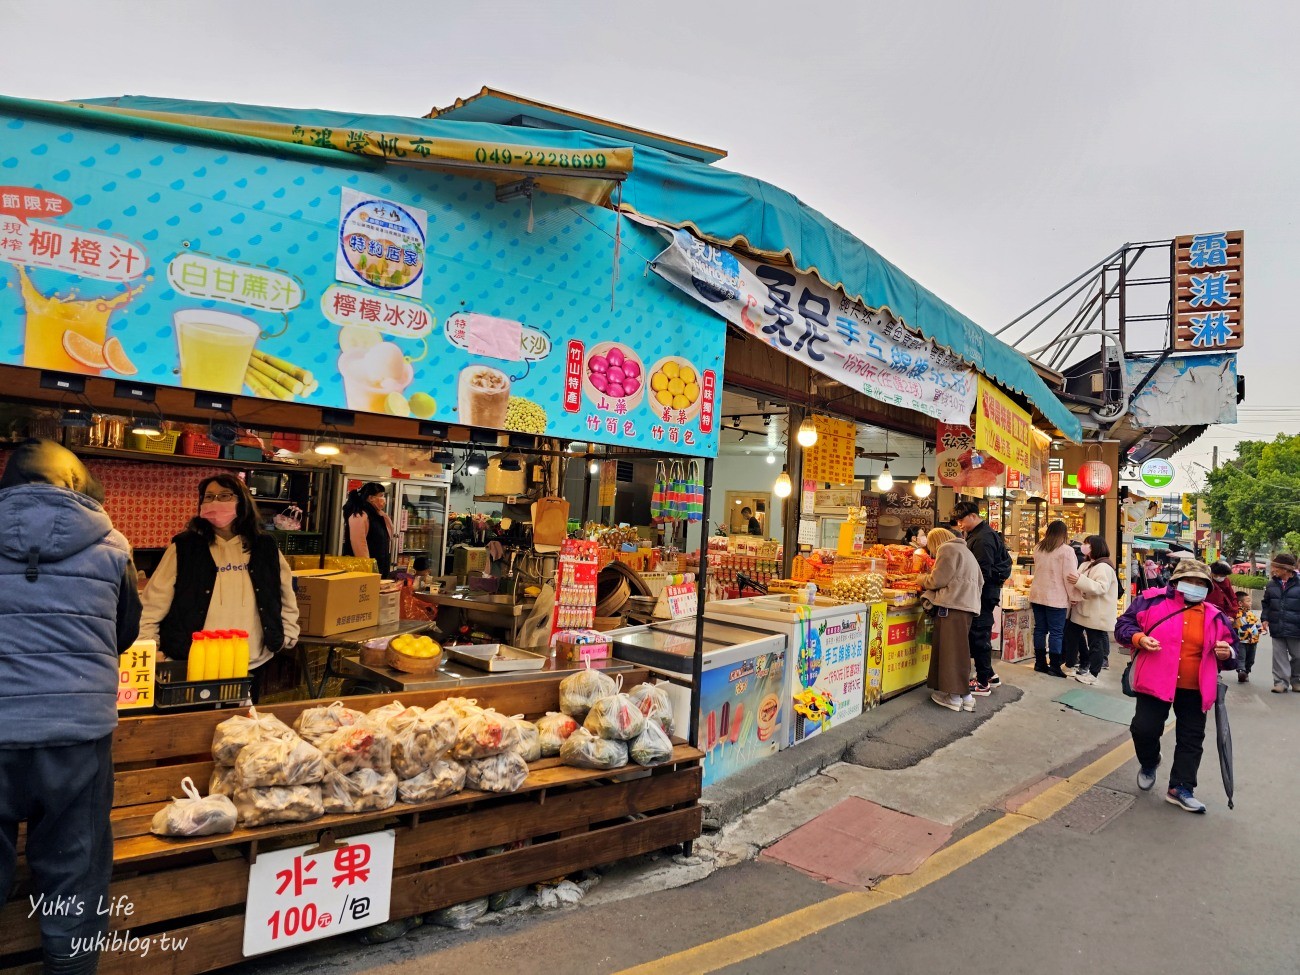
723	725
710	734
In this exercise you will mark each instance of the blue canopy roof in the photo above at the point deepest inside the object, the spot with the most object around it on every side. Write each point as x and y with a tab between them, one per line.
726	207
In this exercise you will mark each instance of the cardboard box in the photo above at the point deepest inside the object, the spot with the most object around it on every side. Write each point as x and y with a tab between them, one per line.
468	561
332	601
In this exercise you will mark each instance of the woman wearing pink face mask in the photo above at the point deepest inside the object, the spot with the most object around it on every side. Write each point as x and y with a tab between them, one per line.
222	573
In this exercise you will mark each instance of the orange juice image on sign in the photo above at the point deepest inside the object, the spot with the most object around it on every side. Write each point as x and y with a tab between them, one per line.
67	333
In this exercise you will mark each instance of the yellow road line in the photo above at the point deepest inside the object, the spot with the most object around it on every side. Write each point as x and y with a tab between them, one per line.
789	928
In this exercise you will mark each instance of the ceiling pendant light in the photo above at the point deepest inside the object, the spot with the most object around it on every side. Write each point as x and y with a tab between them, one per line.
771	457
807	435
921	486
475	463
886	480
783	486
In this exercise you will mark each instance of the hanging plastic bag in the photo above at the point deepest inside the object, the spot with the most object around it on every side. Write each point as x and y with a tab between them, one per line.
582	749
289	520
615	717
652	746
552	730
195	815
578	692
654	705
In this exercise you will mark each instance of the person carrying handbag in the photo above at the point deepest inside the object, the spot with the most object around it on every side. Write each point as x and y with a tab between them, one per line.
1092	615
1179	645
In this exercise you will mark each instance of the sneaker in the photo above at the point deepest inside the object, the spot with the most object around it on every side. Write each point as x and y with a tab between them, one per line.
995	681
1242	677
1184	799
1147	778
1295	686
1279	688
1080	671
980	690
950	701
1083	677
968	702
1105	665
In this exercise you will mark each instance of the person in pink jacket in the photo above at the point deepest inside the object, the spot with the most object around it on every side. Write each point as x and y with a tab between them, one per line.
1179	644
1050	594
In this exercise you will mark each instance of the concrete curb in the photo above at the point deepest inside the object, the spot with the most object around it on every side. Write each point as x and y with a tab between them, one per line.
898	734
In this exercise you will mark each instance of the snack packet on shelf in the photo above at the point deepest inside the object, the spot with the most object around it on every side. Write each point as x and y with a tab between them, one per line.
484	734
505	772
278	804
443	778
552	730
364	790
195	815
582	749
530	746
420	738
358	747
314	725
274	761
652	746
654	704
615	717
578	692
230	737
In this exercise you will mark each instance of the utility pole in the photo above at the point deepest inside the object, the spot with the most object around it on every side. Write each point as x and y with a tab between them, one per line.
1218	535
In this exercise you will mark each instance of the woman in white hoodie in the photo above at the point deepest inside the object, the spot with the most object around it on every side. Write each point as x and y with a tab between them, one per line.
1093	614
222	573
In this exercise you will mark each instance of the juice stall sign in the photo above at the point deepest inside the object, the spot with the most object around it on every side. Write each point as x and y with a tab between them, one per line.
405	292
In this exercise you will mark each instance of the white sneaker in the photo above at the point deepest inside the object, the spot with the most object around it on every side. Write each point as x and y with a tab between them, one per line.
968	702
1085	678
950	701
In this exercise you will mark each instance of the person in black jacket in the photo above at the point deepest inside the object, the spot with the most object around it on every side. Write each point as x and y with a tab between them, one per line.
991	553
1281	620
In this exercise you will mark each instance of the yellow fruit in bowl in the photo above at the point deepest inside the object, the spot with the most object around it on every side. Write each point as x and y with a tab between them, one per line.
687	374
671	369
658	382
664	398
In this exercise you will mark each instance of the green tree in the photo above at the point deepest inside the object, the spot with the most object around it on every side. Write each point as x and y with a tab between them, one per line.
1255	498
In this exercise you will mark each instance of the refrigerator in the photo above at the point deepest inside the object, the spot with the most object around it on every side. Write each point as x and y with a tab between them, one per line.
826	645
744	715
418	508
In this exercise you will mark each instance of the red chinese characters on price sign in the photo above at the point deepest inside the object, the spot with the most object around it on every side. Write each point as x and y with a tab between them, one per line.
709	391
573	378
295	896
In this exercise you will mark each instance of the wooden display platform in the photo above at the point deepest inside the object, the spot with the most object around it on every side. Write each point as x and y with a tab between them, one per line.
566	818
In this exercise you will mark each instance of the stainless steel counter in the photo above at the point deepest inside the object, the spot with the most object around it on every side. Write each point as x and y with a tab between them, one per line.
455	675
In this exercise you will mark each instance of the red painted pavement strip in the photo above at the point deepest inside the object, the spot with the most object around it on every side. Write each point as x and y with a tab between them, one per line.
855	842
1016	802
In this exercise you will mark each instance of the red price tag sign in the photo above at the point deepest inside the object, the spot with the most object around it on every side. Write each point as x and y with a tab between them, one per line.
294	896
573	377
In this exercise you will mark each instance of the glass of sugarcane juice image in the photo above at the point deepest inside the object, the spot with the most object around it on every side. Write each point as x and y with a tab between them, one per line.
215	347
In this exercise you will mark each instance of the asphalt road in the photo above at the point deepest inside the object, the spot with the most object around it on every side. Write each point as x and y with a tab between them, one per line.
1153	890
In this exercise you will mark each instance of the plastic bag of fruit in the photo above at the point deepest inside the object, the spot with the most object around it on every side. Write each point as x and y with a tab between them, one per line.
231	736
578	692
364	790
616	717
505	772
274	761
443	778
195	815
363	746
317	724
552	730
654	704
483	735
582	749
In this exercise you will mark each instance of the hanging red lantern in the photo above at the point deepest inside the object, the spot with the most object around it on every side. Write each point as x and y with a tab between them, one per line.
1096	478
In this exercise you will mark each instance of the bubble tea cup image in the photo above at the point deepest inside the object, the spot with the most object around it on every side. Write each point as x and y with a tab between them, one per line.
215	347
483	396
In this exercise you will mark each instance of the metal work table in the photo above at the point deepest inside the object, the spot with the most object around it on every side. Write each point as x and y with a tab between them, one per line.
455	674
505	608
347	640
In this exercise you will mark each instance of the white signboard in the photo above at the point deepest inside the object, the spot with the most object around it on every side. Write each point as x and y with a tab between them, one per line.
294	897
381	244
798	315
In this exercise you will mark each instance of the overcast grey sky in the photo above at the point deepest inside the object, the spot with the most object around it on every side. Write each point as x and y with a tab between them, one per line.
991	150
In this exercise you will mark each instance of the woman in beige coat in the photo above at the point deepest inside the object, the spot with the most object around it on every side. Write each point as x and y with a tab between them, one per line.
1095	607
952	593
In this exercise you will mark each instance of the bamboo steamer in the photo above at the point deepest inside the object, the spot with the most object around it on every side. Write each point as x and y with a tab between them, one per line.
412	665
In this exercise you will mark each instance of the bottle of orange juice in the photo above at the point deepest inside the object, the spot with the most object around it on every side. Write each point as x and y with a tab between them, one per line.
227	643
212	658
198	657
239	638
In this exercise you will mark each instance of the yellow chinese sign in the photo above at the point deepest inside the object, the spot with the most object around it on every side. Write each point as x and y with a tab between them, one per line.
830	460
1002	429
135	680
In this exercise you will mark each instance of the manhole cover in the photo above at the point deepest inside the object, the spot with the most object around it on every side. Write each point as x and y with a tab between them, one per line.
1093	810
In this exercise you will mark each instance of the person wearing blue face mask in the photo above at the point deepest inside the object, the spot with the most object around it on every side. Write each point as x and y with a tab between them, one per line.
1179	644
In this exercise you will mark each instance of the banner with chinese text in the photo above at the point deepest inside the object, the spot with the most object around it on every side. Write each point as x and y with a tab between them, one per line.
1209	284
798	315
1002	429
831	459
403	292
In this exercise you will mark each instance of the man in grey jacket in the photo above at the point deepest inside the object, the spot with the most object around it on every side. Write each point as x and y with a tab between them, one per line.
69	606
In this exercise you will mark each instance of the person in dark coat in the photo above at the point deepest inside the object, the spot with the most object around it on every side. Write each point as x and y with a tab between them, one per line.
70	607
368	531
994	560
1282	622
1221	592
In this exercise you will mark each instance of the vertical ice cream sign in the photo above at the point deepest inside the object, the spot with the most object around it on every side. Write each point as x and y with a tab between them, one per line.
381	244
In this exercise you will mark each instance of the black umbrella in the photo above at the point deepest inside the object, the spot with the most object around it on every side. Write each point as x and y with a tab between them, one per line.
1223	733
